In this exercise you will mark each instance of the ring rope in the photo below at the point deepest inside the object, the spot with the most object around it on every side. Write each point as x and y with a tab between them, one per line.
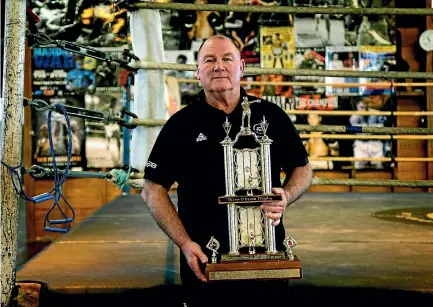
293	72
283	9
365	137
374	182
319	128
376	159
362	113
323	84
360	129
138	183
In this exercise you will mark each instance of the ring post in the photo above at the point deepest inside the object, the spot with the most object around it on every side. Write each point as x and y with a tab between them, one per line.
11	140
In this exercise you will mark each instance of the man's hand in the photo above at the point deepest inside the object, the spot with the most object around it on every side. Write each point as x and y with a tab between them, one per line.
192	252
274	210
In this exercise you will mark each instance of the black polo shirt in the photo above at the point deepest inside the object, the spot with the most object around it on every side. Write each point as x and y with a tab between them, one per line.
188	151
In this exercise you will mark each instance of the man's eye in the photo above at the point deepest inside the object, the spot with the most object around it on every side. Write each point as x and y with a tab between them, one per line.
227	59
209	60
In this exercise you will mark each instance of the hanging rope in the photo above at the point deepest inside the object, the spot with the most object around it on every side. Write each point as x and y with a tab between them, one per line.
56	192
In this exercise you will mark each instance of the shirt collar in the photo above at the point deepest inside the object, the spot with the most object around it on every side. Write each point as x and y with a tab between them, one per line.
202	100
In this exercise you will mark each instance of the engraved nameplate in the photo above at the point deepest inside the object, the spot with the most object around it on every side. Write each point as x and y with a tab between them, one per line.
255	274
244	257
247	199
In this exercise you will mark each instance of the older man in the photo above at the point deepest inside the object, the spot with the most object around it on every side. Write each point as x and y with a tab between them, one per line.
194	134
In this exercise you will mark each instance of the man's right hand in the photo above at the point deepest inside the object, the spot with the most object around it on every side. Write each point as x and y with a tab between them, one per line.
193	253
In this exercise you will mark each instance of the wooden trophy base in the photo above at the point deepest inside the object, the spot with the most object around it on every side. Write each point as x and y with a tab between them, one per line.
255	270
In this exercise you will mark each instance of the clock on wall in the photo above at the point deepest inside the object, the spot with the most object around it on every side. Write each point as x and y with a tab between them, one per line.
426	40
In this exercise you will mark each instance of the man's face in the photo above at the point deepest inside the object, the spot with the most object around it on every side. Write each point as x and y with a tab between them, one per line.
219	65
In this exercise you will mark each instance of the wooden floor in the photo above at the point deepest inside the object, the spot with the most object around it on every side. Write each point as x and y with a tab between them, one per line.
364	247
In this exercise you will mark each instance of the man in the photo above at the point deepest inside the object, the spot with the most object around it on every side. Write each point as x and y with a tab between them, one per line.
194	134
368	148
43	145
277	50
80	79
317	17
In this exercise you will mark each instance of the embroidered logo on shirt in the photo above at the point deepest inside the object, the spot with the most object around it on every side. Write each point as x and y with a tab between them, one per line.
151	164
201	137
258	129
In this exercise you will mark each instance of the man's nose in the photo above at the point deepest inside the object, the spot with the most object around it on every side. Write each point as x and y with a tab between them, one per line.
219	65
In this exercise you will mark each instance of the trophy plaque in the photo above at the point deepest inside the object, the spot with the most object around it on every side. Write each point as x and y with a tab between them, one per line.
252	249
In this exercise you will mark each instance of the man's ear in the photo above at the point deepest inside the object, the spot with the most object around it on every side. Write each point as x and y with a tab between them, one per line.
196	71
242	67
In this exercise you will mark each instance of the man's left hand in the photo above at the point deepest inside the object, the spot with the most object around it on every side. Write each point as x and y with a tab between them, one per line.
274	210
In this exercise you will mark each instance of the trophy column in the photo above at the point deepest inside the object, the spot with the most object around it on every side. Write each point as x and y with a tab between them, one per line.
248	184
230	191
267	190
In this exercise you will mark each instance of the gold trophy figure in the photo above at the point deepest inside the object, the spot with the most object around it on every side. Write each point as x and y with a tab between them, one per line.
252	249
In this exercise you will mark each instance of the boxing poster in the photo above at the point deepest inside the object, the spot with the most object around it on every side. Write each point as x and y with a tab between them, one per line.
171	32
96	23
309	58
370	148
342	58
315	145
104	144
374	30
243	29
105	94
246	36
50	66
197	26
319	30
277	47
42	149
280	94
376	58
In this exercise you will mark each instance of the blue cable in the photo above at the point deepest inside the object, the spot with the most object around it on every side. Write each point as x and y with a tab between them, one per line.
56	191
20	191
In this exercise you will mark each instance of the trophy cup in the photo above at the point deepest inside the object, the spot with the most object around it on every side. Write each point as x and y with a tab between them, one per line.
253	253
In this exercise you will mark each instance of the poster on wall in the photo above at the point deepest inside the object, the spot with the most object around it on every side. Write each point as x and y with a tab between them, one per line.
246	36
271	90
277	47
170	29
50	66
342	58
41	148
309	58
319	30
322	151
373	149
95	23
196	26
376	58
104	144
182	57
104	140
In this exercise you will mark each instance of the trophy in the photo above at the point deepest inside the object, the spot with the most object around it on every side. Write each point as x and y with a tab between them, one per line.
252	249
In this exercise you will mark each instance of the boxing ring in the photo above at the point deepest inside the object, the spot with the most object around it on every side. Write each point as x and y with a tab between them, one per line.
351	254
375	248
